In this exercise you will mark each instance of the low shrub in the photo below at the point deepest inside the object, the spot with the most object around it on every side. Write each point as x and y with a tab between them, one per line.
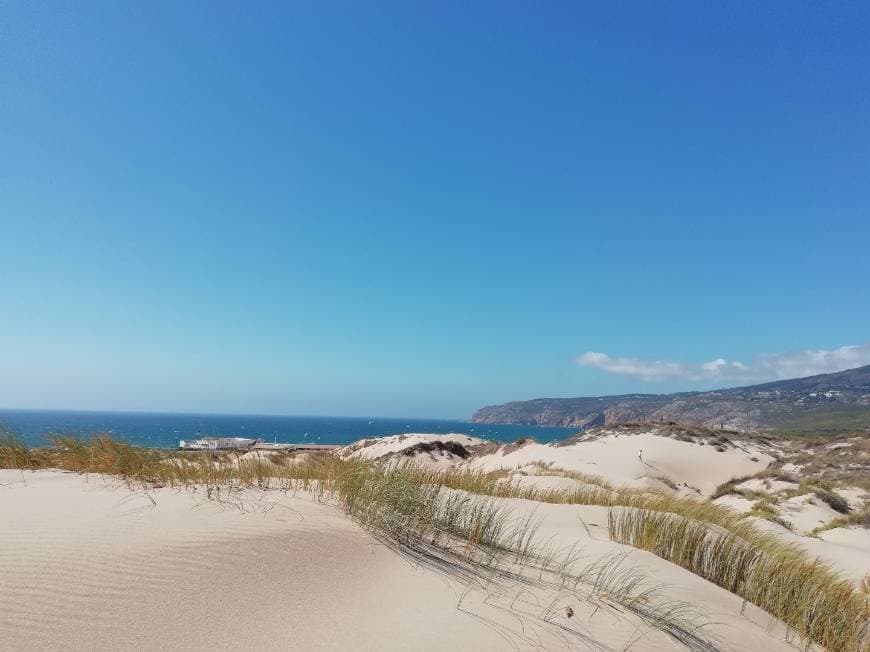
833	500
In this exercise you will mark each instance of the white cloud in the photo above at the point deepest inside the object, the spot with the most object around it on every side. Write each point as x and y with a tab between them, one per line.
808	363
646	369
714	365
775	366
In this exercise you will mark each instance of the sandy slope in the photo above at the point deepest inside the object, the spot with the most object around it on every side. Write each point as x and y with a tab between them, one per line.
636	460
642	459
88	564
847	550
376	447
91	565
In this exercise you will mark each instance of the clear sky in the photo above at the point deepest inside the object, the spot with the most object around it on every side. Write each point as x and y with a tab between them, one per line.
416	208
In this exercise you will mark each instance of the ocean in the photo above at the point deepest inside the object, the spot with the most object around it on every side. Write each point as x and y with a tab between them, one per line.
156	430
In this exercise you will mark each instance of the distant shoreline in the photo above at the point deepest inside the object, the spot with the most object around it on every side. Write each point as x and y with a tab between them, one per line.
164	430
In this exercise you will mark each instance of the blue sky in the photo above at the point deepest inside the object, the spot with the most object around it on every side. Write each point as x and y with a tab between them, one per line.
417	209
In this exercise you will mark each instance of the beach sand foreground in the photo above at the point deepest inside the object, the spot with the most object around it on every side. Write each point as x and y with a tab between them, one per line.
86	563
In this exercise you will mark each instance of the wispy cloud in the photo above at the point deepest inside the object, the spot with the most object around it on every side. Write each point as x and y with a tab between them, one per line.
776	366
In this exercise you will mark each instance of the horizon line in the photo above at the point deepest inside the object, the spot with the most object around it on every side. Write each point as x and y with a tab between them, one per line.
227	414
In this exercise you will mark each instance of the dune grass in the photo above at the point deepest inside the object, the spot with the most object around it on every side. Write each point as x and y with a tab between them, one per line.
804	593
855	519
600	493
549	468
453	515
729	487
450	519
14	454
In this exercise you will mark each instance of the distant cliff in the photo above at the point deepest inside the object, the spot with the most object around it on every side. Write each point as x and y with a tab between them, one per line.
823	403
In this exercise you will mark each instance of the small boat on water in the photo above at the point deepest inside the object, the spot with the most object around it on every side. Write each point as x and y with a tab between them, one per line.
218	443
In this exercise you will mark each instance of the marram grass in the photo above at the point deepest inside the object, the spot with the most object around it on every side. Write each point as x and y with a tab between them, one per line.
804	593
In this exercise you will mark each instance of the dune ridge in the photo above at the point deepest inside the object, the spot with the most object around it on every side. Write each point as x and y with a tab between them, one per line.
254	555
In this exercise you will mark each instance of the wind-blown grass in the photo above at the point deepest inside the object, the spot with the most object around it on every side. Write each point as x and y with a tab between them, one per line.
858	519
479	532
806	594
14	454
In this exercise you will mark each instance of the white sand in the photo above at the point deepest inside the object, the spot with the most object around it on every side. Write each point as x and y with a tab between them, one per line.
90	565
544	482
766	486
806	512
86	563
847	550
585	527
618	459
376	447
735	502
851	547
855	496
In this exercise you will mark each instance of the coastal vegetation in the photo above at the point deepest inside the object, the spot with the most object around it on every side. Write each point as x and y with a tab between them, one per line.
781	579
457	518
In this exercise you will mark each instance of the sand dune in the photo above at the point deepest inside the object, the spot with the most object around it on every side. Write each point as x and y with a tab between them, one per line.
86	563
635	460
638	459
376	447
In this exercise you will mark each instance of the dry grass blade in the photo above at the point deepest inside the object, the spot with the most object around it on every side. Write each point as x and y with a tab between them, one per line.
805	593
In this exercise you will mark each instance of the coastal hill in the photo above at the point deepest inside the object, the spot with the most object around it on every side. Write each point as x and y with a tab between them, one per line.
824	403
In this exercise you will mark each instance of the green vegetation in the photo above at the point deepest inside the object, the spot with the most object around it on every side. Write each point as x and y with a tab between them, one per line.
806	594
833	500
548	468
729	487
14	454
857	519
763	509
794	407
824	424
821	486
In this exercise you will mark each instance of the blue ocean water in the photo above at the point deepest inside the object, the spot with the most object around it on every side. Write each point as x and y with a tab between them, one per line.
164	430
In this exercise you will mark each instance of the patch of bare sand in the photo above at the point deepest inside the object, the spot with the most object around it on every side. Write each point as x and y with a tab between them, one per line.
636	459
847	550
735	502
373	448
88	564
766	486
806	512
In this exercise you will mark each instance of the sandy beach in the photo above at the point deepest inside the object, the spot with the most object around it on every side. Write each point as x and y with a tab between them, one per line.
87	563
